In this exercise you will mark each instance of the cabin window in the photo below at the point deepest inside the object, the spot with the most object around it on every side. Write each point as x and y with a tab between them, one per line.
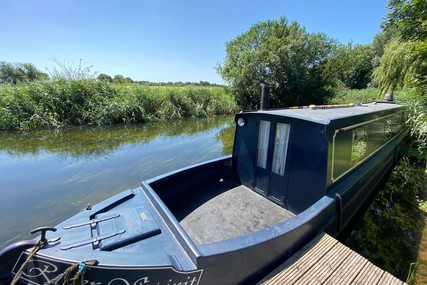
359	144
393	125
280	148
350	144
263	136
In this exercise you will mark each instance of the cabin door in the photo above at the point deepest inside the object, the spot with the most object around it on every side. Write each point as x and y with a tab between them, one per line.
270	175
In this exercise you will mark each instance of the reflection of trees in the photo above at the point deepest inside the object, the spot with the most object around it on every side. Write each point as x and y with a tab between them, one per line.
390	230
226	135
100	141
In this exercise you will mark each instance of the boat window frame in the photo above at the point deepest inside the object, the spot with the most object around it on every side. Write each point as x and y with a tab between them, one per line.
359	144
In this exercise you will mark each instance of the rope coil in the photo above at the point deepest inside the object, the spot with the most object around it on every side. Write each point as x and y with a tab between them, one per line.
73	274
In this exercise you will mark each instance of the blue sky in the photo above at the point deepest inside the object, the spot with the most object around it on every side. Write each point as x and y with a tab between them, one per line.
163	40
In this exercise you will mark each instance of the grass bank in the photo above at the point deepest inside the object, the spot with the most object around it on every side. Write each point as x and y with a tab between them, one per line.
79	102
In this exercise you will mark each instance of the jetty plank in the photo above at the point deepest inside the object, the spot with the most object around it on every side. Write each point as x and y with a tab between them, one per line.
326	261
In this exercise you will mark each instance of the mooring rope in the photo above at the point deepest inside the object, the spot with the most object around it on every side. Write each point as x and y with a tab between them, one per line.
36	248
73	274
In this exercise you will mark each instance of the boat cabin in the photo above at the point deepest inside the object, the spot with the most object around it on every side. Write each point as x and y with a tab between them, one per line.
295	156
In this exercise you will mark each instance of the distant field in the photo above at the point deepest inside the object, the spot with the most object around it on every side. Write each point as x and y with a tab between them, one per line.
80	102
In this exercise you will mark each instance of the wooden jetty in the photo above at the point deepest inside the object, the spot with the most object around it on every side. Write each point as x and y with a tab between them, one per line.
327	261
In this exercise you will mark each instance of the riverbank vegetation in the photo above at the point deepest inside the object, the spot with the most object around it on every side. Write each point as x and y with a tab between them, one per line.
62	102
389	233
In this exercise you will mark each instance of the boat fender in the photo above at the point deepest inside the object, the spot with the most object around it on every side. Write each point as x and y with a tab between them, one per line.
10	254
338	208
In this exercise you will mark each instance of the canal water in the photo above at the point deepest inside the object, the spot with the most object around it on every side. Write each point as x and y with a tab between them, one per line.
389	232
47	176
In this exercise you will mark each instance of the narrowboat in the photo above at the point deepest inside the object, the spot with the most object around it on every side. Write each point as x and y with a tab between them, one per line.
293	173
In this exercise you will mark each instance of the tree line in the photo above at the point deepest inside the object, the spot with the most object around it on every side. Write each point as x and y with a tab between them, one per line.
119	79
28	72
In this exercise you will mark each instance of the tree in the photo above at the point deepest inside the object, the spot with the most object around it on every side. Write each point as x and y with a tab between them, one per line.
30	71
407	19
291	60
105	77
119	79
395	68
19	72
353	65
9	74
378	45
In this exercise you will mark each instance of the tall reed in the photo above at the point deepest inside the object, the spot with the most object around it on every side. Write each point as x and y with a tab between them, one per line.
75	102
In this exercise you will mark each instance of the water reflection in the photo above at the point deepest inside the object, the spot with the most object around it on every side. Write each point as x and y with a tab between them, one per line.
47	176
389	233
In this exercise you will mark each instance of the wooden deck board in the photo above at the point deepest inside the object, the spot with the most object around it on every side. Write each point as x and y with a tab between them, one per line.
302	261
390	280
347	271
323	269
326	261
370	275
